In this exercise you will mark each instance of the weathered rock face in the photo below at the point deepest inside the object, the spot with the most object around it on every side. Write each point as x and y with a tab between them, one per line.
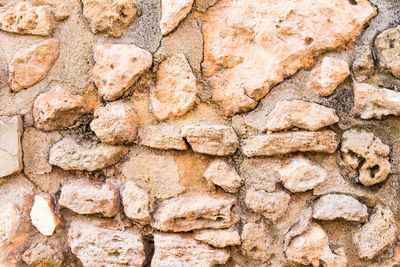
42	255
58	109
194	211
257	241
388	46
271	205
162	137
363	65
118	67
175	90
366	153
98	246
31	65
261	173
182	250
251	46
220	173
172	13
43	216
136	203
219	238
110	17
10	145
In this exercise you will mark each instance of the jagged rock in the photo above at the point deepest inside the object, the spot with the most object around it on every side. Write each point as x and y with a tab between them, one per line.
312	247
388	46
301	114
333	206
219	238
220	173
84	196
257	241
58	109
69	154
289	142
182	250
42	255
118	67
378	234
175	91
271	205
326	77
365	152
162	137
363	64
211	139
43	216
115	123
172	13
31	65
24	18
62	12
136	203
301	174
249	46
100	246
109	16
195	211
373	102
10	145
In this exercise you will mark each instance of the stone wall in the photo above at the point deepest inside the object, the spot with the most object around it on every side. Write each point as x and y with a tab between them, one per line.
199	133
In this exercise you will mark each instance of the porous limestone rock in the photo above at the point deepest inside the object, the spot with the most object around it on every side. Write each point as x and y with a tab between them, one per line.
42	255
71	154
175	91
162	137
289	142
211	139
31	65
10	145
388	46
377	235
333	206
43	216
219	238
62	12
172	13
100	246
249	46
115	123
257	241
363	64
118	67
260	173
192	211
85	196
58	109
136	203
373	102
301	174
220	173
109	16
182	250
365	152
24	18
271	205
301	114
326	77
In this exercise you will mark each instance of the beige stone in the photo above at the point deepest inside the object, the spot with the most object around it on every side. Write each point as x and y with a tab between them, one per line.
172	13
365	152
10	145
62	12
110	17
24	18
58	109
363	64
194	211
136	203
31	65
42	255
219	238
175	91
289	142
301	114
211	139
43	215
85	196
162	137
118	67
257	241
377	235
260	173
220	173
388	46
391	262
251	46
184	251
71	154
100	246
301	174
326	77
271	205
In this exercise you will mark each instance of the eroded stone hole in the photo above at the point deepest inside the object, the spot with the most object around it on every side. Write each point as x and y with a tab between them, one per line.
308	40
374	170
353	2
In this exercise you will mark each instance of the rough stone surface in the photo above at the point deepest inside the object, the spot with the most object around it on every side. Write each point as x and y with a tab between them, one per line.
363	64
182	250
118	67
250	47
172	13
42	255
31	65
43	215
220	173
136	203
271	205
175	91
219	238
261	173
257	241
69	154
288	142
162	137
365	152
388	46
10	145
89	197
